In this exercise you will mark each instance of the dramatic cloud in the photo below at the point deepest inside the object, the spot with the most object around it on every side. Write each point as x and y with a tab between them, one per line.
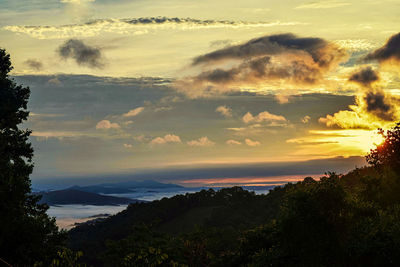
34	64
224	110
133	112
169	138
389	53
321	52
365	76
233	142
380	105
83	54
250	142
106	124
263	116
134	26
284	57
373	109
202	141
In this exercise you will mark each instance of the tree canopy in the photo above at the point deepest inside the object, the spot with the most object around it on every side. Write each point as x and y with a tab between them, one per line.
27	233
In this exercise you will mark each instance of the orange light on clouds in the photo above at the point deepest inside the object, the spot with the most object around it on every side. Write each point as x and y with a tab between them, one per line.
247	181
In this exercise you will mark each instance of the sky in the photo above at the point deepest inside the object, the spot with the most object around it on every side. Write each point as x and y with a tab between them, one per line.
209	92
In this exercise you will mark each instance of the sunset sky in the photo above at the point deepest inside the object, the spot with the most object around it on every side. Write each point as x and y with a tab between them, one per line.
204	92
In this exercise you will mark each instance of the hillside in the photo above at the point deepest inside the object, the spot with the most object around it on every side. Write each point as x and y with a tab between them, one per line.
336	220
72	196
227	209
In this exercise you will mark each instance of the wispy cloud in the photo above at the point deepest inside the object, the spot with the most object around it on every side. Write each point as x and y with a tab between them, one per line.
134	26
57	134
76	1
250	142
133	112
323	5
355	45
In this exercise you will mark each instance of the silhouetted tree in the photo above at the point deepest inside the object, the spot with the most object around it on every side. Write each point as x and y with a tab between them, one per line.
27	234
387	153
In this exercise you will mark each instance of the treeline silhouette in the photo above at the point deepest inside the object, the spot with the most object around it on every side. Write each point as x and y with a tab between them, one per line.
337	220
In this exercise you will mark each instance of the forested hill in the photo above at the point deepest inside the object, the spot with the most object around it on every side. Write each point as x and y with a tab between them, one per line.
337	220
230	210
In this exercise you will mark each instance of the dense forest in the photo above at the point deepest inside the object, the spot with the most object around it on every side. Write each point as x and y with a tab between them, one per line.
337	220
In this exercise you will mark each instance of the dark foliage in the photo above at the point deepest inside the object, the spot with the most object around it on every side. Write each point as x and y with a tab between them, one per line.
337	220
27	234
387	153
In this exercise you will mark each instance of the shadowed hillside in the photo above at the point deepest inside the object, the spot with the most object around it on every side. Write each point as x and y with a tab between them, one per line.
72	196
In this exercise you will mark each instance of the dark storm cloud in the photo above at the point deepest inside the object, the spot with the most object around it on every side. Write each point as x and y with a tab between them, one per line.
82	54
321	51
285	57
34	64
374	100
390	51
365	76
259	69
380	105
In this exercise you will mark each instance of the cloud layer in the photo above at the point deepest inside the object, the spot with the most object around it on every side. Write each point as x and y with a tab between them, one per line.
133	26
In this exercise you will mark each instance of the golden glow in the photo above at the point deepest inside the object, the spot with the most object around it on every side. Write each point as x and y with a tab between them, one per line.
362	140
338	142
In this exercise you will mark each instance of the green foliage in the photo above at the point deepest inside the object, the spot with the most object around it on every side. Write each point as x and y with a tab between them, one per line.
65	258
27	234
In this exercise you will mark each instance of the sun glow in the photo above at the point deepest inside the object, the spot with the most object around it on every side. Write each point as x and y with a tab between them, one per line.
346	143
